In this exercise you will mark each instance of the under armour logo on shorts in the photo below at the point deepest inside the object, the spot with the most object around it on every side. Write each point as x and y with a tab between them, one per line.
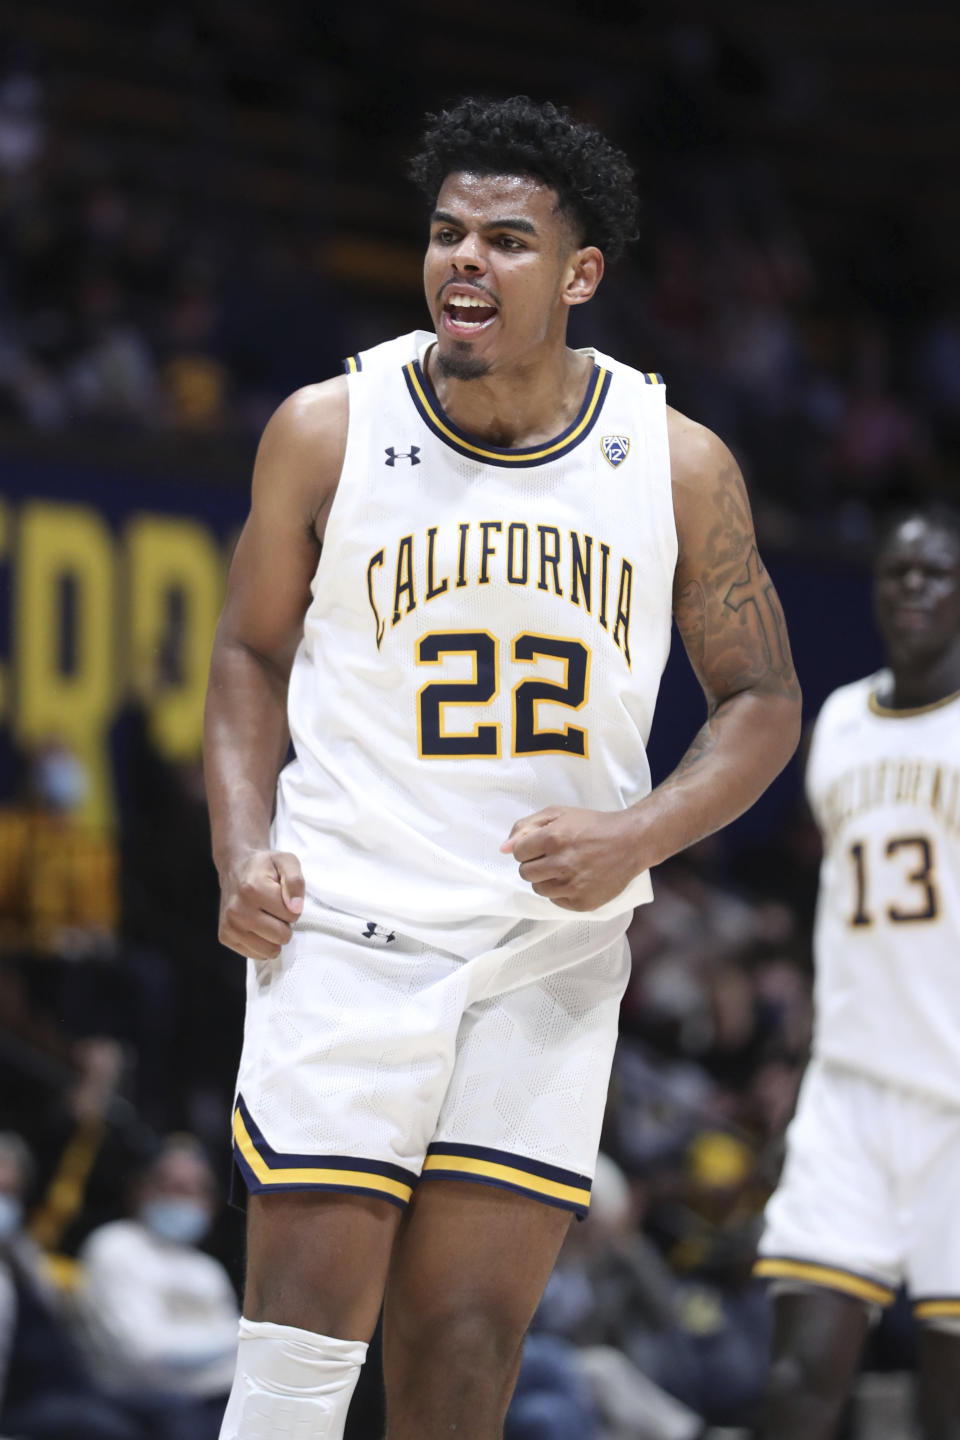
413	455
377	932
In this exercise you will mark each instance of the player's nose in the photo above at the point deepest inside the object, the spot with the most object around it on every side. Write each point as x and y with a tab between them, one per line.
913	579
467	257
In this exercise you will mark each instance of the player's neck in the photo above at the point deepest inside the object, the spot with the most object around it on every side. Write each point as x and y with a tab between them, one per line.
519	405
915	686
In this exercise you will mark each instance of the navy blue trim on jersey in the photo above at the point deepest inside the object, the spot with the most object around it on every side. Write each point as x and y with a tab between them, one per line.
352	364
431	412
564	1189
264	1168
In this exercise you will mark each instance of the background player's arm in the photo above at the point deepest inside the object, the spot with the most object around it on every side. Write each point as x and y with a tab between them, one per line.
732	626
245	730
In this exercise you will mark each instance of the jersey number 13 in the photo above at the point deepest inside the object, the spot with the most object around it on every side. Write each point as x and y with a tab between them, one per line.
913	856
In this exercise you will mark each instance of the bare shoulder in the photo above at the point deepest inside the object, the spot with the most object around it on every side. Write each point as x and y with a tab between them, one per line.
690	442
311	414
709	493
698	458
301	451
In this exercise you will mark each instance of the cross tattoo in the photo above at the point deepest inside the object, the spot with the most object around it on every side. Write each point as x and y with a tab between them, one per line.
757	590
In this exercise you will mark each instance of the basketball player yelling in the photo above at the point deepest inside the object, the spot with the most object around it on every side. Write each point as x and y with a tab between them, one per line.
433	895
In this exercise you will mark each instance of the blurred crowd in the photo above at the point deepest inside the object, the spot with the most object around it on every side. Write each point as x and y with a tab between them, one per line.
120	1023
120	307
129	303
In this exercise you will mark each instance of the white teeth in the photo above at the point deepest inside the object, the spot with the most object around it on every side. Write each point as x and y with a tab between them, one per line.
459	300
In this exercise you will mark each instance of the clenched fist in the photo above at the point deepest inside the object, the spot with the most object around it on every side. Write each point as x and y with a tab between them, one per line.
579	859
260	898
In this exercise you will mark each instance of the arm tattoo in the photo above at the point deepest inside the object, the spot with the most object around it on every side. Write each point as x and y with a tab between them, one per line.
690	614
756	588
729	617
698	749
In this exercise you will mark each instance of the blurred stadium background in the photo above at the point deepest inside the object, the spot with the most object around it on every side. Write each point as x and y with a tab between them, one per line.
202	207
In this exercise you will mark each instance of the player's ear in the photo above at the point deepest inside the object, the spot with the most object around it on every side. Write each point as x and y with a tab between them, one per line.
583	275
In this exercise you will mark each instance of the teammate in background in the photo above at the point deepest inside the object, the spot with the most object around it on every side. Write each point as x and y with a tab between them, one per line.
436	918
868	1197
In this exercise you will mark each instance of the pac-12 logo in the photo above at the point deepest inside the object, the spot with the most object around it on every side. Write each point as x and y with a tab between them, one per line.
413	455
615	448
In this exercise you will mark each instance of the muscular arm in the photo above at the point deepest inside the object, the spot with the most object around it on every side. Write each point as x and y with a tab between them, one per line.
245	729
732	625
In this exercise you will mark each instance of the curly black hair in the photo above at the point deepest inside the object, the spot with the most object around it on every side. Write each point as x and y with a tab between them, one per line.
593	180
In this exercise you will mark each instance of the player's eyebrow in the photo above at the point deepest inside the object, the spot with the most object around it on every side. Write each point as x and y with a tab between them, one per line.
506	222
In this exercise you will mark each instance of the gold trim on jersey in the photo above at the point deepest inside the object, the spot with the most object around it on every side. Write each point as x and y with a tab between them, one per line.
936	1309
886	712
825	1276
576	1197
431	412
313	1175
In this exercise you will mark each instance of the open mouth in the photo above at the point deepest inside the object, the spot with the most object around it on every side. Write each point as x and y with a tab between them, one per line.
467	314
910	617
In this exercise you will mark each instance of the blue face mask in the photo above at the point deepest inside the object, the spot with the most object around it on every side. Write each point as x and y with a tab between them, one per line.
11	1216
185	1221
60	780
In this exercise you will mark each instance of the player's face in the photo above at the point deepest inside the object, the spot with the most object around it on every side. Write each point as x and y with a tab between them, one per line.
501	269
917	592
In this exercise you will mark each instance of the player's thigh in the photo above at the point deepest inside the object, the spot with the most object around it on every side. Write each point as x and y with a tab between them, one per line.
940	1380
318	1260
468	1270
833	1220
818	1337
823	1332
931	1213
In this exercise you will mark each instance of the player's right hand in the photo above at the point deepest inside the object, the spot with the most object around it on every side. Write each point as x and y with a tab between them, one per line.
260	898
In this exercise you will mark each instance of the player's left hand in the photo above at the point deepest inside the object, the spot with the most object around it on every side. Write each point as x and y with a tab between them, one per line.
579	859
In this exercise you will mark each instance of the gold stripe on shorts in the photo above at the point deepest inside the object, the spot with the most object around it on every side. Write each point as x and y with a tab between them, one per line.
827	1276
936	1309
577	1197
307	1174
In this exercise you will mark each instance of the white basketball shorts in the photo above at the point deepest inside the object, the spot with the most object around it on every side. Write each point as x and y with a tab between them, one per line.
372	1061
868	1196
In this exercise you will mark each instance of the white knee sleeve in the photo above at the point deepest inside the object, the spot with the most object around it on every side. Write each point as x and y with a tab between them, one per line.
290	1383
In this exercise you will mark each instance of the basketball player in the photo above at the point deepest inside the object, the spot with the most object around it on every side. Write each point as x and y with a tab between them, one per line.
869	1193
435	922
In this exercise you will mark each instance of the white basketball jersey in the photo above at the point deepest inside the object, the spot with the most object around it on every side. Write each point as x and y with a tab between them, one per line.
884	786
486	638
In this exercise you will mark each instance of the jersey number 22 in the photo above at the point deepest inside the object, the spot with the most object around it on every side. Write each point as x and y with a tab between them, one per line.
437	741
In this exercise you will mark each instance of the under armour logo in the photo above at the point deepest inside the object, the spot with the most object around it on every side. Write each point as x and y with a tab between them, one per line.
413	455
377	932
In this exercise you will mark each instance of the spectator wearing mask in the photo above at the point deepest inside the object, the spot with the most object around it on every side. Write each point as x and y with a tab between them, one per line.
159	1317
45	1393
